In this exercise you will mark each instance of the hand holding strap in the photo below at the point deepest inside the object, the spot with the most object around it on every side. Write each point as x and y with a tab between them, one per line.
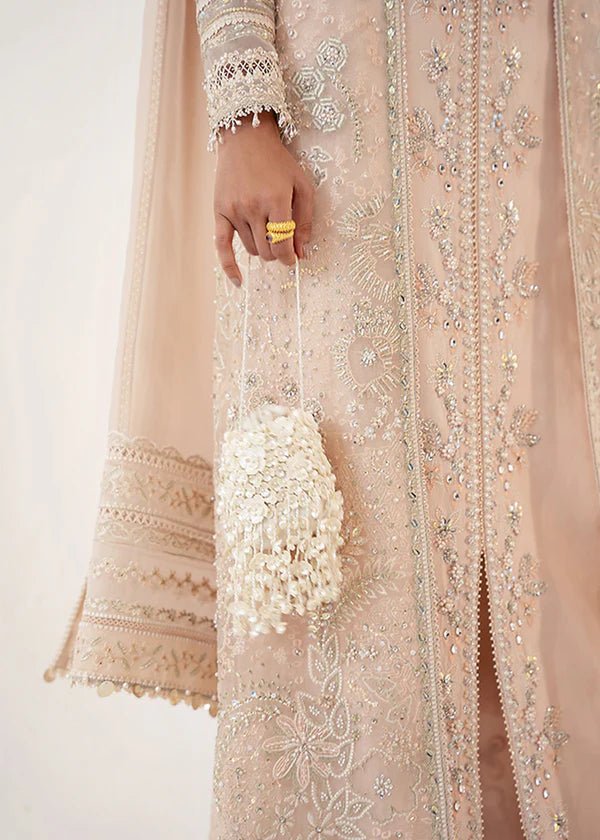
245	335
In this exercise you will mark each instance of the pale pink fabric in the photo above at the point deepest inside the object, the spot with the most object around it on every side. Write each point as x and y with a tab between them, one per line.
363	722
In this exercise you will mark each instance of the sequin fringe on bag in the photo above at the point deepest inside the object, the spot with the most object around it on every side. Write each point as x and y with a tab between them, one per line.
280	511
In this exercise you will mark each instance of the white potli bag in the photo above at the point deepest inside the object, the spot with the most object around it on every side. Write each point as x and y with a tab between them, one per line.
280	511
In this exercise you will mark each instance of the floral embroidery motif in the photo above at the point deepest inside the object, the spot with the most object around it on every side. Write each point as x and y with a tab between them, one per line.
156	497
304	749
311	85
153	577
336	814
316	158
146	612
371	246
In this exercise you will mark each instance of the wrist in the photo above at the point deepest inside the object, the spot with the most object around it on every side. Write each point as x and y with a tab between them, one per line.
267	125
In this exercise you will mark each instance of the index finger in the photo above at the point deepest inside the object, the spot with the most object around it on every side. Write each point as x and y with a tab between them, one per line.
224	231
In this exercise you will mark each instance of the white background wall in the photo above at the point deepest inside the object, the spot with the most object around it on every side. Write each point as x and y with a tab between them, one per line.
72	765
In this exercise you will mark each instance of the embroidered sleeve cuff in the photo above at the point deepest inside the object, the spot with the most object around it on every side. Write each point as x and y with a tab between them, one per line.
246	82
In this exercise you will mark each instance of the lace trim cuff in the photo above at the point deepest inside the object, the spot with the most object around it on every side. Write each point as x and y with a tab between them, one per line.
242	83
144	622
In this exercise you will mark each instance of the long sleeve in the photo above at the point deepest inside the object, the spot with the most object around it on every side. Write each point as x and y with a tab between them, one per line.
241	65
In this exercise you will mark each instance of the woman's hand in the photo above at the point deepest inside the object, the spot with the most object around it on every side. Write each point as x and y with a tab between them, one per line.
258	180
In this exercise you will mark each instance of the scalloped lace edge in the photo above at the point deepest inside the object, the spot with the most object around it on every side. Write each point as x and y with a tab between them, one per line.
287	128
109	685
243	82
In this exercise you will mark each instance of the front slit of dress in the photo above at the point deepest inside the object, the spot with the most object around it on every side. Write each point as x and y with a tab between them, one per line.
500	807
500	816
473	154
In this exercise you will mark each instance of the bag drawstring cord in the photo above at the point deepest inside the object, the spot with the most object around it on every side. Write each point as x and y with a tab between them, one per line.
245	335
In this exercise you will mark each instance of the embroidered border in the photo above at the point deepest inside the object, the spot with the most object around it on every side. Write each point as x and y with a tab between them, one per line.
424	576
154	534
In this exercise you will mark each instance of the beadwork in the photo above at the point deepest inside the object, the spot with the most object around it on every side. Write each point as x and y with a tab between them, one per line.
282	518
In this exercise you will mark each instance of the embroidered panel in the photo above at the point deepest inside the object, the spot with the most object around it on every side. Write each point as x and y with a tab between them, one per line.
320	730
425	591
471	140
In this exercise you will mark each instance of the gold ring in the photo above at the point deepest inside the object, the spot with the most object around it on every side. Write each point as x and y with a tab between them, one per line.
281	227
279	237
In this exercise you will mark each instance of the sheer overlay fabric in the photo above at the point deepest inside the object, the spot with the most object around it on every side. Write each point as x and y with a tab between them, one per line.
451	328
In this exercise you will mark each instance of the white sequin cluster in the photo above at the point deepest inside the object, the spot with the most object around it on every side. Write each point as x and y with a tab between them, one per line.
281	517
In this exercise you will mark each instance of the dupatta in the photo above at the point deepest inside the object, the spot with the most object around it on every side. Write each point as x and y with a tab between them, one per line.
144	618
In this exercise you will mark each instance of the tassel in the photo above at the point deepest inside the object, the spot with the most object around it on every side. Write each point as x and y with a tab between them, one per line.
281	515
